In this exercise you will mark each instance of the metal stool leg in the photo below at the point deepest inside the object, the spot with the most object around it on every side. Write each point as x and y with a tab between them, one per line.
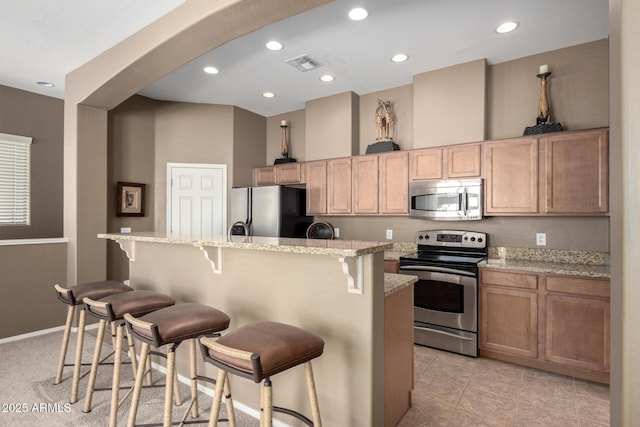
65	343
78	362
94	366
313	397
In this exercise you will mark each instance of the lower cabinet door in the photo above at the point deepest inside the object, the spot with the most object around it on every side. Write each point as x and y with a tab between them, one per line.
577	332
509	321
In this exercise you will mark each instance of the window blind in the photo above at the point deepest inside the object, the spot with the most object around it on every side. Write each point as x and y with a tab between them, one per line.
15	153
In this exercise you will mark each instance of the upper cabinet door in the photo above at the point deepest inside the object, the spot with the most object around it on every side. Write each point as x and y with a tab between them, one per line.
425	164
365	184
394	183
511	176
339	186
316	177
463	161
576	171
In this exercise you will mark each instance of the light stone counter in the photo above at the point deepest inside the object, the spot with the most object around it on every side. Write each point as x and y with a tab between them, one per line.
565	262
339	248
395	282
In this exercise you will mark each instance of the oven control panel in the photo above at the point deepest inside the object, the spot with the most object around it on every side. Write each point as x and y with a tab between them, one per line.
452	238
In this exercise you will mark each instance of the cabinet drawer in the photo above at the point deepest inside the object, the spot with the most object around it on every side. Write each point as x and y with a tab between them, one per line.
515	280
578	286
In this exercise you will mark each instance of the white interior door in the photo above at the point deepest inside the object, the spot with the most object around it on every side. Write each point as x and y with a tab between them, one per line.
196	200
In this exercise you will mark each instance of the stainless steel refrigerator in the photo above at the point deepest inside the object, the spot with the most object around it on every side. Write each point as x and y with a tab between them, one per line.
271	211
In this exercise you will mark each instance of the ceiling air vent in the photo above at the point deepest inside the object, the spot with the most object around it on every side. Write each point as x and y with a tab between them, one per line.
303	63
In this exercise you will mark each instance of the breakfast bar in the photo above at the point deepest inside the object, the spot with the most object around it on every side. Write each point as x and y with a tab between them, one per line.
333	288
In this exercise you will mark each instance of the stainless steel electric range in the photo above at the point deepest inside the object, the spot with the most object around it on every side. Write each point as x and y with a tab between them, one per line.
446	293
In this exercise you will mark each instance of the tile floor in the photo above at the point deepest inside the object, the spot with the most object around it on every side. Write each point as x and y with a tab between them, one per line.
457	391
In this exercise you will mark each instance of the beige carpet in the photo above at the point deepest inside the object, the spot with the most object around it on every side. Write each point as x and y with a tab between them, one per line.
29	398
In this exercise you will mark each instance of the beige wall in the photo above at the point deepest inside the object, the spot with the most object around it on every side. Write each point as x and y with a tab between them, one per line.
131	151
562	233
449	105
189	133
578	90
40	117
402	104
28	300
332	126
296	122
248	146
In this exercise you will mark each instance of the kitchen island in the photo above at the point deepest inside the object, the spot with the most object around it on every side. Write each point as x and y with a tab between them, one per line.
334	288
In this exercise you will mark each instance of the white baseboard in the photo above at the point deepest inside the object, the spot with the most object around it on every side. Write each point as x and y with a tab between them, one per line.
44	332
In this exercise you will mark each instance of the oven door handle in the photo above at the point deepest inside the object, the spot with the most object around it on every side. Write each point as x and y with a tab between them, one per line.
449	334
437	270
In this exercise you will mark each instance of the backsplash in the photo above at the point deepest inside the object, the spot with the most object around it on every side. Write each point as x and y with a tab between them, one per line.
552	255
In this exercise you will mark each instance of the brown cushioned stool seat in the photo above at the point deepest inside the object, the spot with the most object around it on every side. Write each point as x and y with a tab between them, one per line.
260	350
112	309
73	297
171	326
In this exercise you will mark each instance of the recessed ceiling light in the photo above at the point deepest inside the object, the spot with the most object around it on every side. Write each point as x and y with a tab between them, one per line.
507	27
358	14
46	84
273	45
400	57
327	78
211	70
268	94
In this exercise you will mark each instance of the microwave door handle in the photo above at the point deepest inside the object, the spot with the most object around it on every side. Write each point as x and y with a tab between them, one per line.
464	200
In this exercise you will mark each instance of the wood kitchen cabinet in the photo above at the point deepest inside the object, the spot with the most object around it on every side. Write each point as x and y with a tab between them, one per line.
381	184
551	322
576	172
339	186
451	162
365	184
316	174
509	313
577	322
562	173
286	173
394	183
398	355
511	176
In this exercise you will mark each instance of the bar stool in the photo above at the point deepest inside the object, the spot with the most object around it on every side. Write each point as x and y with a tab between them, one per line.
171	326
73	296
112	309
258	351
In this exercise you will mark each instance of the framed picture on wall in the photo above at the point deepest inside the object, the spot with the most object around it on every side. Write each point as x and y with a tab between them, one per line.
130	199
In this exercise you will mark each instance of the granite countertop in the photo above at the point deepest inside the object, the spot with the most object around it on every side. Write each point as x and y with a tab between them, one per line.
341	248
554	261
394	282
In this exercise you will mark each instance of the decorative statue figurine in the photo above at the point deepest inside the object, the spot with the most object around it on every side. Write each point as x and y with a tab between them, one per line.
384	129
384	121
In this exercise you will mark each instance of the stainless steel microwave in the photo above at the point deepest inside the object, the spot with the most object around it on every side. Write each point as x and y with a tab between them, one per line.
447	200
